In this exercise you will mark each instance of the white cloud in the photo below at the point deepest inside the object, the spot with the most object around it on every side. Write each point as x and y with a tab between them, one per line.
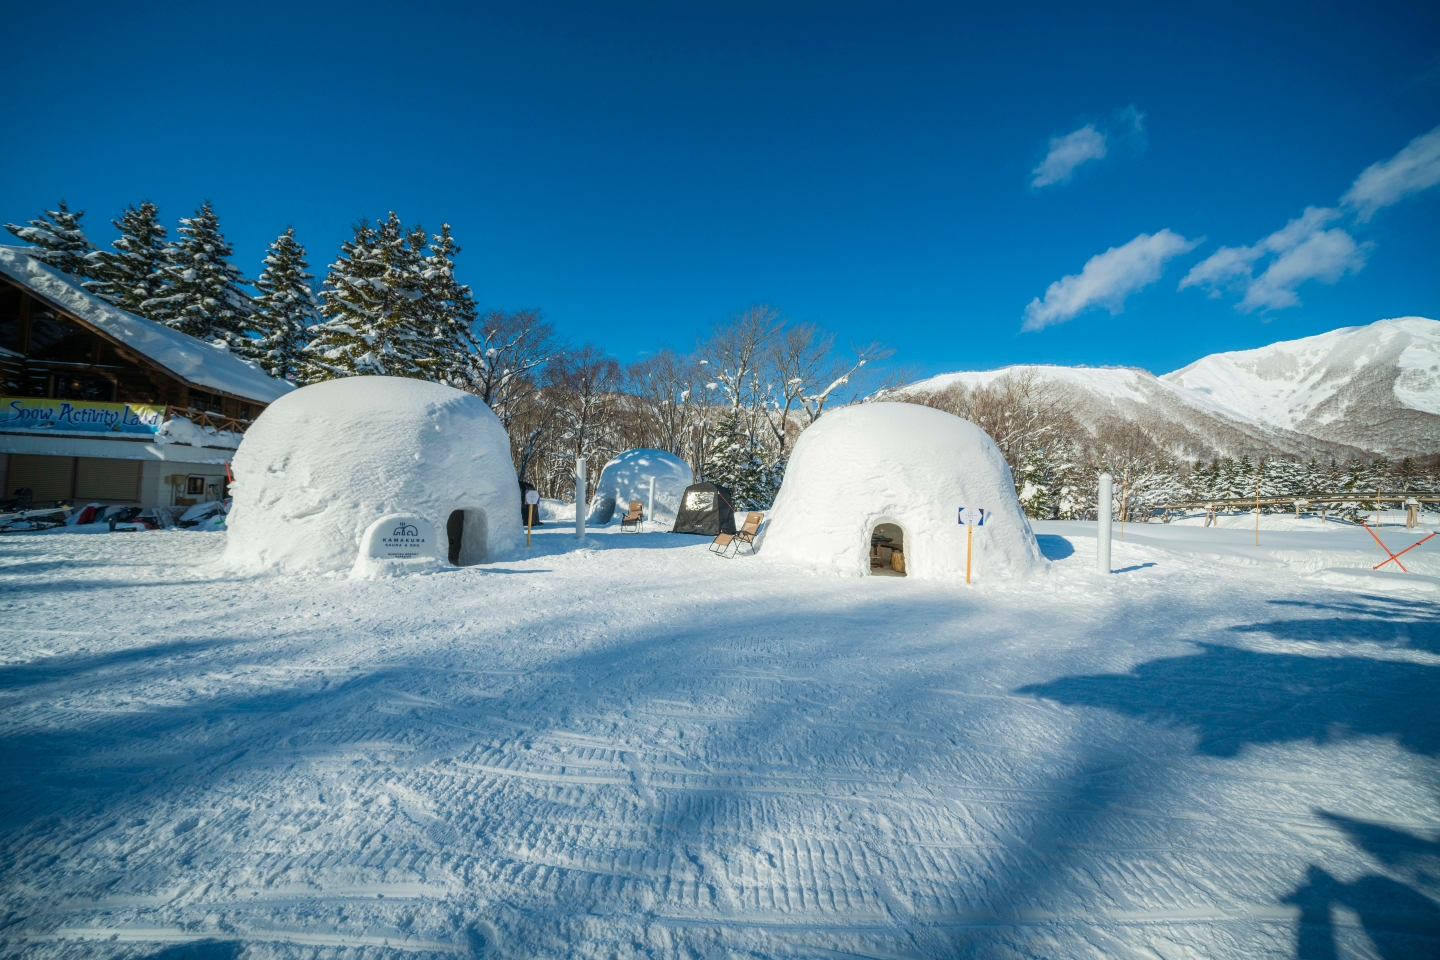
1302	250
1415	168
1107	279
1326	255
1067	153
1123	132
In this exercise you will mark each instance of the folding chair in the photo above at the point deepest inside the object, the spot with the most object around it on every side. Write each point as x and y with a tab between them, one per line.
634	519
747	533
725	545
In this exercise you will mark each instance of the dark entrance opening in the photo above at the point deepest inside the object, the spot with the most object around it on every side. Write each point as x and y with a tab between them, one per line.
455	531
887	550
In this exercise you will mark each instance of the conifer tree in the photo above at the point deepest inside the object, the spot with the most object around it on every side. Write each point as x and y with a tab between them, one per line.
61	242
449	313
129	274
285	308
735	464
372	305
392	306
202	295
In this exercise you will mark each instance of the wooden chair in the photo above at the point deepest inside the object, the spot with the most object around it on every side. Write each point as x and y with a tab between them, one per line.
633	520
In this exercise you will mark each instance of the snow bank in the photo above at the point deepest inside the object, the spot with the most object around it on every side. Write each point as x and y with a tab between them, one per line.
907	465
627	477
322	464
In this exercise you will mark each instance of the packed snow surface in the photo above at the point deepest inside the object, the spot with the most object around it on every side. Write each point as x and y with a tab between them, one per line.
190	359
902	464
627	477
628	747
322	464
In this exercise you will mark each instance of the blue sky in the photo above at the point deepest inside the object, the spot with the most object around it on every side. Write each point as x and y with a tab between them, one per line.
925	175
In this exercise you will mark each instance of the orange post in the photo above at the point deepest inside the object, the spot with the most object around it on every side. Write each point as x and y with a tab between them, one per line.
969	534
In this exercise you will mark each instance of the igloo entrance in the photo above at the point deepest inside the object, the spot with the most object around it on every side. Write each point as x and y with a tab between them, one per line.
887	550
465	531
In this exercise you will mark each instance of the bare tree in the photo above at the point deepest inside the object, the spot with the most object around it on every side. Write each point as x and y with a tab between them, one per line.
1016	409
584	391
666	389
511	352
735	354
508	372
805	376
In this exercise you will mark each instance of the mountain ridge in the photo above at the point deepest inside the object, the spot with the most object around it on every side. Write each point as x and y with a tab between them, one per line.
1373	388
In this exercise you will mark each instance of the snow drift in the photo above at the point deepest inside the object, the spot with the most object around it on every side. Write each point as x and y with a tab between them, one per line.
627	477
322	464
902	464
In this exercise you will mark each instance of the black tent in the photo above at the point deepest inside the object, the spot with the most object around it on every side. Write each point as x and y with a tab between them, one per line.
706	509
526	510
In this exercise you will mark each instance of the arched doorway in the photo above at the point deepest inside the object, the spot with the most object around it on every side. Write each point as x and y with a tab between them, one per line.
887	550
465	531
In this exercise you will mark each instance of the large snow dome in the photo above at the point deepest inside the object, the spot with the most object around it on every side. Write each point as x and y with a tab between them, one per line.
320	465
627	478
899	465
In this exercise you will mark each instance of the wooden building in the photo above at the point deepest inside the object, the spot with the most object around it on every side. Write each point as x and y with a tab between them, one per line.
99	405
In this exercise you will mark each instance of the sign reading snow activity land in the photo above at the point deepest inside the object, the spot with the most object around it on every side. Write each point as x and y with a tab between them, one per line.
972	516
39	415
403	537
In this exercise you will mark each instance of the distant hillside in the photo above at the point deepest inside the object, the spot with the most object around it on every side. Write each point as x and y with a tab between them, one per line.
1374	388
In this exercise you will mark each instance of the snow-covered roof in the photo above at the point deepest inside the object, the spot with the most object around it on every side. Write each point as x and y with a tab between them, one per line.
187	358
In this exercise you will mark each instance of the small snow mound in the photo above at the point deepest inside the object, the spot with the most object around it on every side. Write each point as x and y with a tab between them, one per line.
906	465
627	477
181	430
322	464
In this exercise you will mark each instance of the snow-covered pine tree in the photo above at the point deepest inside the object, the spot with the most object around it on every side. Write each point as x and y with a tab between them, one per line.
373	304
61	242
450	314
1037	482
202	295
129	274
285	308
735	463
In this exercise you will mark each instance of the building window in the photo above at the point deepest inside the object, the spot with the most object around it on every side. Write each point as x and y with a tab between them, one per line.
95	389
194	486
200	400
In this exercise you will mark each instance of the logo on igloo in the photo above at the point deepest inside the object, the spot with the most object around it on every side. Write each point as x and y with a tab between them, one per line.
405	530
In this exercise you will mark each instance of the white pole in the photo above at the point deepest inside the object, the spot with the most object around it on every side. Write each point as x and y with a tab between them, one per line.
1107	493
579	498
650	506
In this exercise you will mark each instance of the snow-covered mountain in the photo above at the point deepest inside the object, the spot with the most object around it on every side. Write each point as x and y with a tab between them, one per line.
1374	388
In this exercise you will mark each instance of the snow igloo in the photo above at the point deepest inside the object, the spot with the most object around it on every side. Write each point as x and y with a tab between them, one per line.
322	464
877	479
627	477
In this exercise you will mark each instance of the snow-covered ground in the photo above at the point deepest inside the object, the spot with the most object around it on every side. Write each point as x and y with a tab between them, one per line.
633	748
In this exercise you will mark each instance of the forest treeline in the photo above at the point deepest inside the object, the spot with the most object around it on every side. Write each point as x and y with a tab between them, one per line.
1055	458
390	305
732	407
